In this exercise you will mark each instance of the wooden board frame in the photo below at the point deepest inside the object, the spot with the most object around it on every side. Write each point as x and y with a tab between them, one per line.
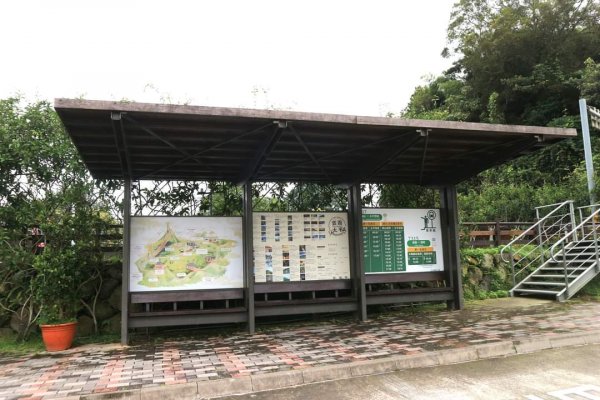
325	296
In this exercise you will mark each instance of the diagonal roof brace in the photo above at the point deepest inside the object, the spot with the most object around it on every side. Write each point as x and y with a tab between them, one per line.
206	149
474	167
165	141
387	160
387	139
307	150
262	153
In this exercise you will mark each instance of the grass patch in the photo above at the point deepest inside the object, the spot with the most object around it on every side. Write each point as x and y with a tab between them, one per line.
591	291
104	338
9	345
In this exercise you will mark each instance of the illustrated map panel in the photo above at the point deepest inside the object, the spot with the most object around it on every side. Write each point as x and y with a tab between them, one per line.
290	247
185	253
402	240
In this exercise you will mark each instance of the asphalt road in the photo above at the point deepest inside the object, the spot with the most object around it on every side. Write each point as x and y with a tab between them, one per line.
571	373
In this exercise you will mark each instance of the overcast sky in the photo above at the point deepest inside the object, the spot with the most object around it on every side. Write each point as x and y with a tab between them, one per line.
350	57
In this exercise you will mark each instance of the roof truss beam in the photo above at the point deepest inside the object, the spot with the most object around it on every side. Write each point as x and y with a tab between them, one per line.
205	150
262	153
392	156
307	150
508	151
387	139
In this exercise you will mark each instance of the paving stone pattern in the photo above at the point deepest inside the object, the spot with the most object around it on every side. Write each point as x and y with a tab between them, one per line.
80	372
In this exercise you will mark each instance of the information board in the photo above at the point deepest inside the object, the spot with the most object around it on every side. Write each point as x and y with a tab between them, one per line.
402	240
185	253
290	247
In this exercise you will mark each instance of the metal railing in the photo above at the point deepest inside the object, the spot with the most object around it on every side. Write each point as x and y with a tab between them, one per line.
591	208
550	228
586	250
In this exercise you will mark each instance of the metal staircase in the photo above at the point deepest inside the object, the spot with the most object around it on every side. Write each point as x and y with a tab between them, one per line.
567	254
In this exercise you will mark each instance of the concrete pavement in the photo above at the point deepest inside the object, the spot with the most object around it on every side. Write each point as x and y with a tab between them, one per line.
217	365
555	374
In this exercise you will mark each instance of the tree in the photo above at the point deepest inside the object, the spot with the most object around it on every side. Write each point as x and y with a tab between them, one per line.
590	83
528	52
519	62
46	196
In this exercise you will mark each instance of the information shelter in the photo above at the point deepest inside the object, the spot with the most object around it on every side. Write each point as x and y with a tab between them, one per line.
206	270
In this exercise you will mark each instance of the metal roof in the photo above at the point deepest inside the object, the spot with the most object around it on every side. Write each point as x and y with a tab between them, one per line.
180	142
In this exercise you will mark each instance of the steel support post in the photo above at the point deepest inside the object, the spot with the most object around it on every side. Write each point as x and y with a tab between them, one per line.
587	149
248	257
356	248
573	221
126	266
450	239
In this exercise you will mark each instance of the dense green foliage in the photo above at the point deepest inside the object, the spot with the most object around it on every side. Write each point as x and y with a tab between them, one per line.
519	62
46	197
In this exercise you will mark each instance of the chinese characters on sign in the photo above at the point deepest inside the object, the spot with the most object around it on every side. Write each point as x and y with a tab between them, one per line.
291	247
402	240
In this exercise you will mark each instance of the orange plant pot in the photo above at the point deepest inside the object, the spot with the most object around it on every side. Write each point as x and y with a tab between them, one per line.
58	337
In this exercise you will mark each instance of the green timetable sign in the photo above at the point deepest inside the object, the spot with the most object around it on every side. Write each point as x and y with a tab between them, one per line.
402	240
383	244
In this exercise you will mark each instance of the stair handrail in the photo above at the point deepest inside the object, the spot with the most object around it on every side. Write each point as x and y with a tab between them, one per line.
573	232
540	229
593	217
537	224
580	210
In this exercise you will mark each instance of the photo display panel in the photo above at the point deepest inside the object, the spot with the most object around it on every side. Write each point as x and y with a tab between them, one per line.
402	240
185	253
303	246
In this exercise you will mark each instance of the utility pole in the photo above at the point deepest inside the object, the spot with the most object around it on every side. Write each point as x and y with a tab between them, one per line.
587	149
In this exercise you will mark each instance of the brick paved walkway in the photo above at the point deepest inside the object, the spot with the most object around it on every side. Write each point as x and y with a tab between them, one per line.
80	372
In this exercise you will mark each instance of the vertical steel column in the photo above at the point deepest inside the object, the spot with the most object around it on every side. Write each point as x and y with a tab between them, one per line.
248	256
125	272
446	241
587	149
356	248
451	243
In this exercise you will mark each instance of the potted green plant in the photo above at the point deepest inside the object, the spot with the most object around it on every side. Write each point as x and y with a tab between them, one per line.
59	276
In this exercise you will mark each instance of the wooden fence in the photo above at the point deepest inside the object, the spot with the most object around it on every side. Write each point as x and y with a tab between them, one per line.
486	234
473	234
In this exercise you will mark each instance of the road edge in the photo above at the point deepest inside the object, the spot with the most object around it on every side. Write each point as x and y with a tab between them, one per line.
217	388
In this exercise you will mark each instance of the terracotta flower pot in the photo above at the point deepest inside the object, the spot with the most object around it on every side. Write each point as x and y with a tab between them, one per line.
58	337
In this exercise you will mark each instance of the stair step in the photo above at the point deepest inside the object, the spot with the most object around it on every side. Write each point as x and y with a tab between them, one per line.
536	291
572	264
551	276
582	252
571	269
543	283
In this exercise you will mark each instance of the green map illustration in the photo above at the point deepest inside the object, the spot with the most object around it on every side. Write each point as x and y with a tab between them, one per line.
175	261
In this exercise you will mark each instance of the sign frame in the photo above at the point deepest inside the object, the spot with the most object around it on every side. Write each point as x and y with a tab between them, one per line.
232	274
310	248
422	249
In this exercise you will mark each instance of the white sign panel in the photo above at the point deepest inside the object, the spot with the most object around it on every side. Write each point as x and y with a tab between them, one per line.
402	240
185	253
290	247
